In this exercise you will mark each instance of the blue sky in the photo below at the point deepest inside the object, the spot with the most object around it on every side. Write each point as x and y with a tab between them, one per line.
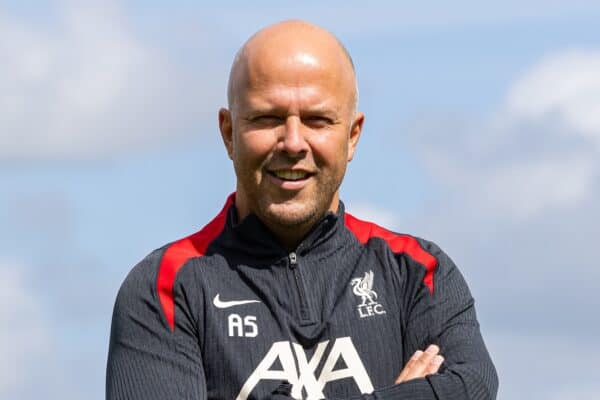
482	133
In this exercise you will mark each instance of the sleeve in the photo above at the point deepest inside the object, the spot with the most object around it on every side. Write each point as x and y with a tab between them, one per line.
444	314
441	312
445	317
147	359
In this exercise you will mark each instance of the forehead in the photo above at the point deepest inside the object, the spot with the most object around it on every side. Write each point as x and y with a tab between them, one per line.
291	97
297	77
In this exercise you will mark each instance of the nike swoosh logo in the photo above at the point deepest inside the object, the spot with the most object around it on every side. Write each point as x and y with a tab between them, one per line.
226	304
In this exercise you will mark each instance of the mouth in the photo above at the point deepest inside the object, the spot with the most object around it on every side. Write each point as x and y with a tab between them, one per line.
289	175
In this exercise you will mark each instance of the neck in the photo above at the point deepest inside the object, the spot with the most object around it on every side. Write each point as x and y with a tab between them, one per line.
289	235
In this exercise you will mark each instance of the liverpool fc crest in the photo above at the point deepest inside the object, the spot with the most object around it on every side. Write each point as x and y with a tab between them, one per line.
363	288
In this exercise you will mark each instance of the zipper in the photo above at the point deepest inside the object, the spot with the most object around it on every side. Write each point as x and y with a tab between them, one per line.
304	307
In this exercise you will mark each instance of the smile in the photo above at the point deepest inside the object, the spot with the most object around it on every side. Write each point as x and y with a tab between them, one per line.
290	175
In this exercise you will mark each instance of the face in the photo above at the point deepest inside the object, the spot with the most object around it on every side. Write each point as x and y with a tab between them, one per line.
290	132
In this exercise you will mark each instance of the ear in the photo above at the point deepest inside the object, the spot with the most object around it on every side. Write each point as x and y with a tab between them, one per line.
355	131
226	129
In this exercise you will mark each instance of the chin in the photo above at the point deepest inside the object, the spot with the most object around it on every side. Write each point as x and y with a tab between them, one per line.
292	215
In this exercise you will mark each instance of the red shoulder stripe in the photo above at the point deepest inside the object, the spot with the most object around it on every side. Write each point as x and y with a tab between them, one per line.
364	230
179	252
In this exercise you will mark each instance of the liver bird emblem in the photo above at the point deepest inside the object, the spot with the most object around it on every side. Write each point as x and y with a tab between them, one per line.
363	287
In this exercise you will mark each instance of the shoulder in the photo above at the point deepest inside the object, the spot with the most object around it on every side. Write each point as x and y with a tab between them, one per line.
151	286
410	251
150	291
153	281
142	276
137	293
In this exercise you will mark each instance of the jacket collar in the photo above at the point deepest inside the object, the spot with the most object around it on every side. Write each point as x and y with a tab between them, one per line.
250	236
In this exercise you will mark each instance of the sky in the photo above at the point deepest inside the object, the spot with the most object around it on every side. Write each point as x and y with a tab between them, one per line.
482	133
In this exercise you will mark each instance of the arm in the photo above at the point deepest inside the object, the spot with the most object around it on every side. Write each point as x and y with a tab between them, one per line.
446	318
148	360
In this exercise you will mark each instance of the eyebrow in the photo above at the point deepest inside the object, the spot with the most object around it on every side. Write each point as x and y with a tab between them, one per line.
279	111
265	106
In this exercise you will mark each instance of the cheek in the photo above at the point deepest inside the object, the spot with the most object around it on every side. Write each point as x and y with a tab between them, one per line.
330	149
252	148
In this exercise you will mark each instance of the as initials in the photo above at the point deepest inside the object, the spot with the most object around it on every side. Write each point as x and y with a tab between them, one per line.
242	327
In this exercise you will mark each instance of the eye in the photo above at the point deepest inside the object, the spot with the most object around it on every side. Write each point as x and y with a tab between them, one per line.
317	121
266	117
266	120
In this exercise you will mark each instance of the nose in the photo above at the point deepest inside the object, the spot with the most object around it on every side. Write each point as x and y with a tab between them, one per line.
292	140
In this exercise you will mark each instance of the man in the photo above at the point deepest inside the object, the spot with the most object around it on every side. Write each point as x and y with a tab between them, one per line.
284	294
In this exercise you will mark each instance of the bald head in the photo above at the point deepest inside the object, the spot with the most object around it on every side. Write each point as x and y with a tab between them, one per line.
287	47
291	127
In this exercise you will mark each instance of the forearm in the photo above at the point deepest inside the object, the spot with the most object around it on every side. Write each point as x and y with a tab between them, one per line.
446	317
416	389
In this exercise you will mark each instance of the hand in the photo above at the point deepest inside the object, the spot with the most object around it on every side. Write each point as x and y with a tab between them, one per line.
421	364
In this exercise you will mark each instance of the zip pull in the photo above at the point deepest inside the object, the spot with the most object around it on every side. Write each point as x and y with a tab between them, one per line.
293	260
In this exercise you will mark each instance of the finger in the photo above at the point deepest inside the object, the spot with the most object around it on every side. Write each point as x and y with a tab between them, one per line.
418	367
406	371
434	365
422	364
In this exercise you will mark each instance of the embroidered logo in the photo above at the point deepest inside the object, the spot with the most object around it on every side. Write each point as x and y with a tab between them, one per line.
226	304
363	288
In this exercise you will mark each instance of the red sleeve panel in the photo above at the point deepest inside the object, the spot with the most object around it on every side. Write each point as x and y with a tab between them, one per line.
399	244
178	253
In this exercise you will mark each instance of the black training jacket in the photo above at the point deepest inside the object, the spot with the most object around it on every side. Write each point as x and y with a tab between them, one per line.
227	313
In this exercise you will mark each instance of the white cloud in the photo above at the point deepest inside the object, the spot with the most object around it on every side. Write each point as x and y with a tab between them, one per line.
87	88
539	152
517	208
24	339
564	86
374	213
528	188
